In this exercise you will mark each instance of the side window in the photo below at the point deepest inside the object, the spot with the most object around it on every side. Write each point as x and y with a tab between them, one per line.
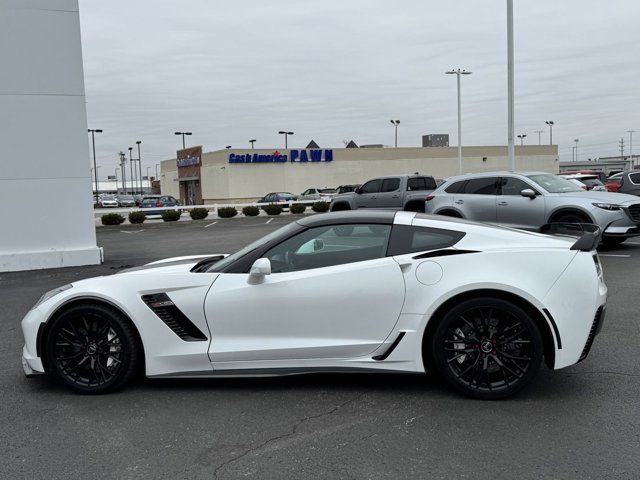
635	178
456	187
481	186
431	183
416	184
390	185
330	245
514	186
412	239
372	187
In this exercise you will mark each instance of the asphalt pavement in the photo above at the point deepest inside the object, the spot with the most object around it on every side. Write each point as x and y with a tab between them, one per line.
580	422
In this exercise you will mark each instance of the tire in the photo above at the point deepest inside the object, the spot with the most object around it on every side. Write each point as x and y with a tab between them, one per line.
612	241
570	217
487	348
93	349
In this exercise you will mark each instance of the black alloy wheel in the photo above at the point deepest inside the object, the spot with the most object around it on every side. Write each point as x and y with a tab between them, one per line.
92	349
487	348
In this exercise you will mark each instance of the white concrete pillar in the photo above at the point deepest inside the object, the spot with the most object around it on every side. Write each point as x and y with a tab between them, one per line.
46	212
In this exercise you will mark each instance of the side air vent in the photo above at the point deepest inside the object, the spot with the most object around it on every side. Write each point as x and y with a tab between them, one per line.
443	253
165	309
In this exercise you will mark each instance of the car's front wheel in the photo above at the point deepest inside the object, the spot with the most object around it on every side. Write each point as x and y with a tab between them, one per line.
487	348
93	349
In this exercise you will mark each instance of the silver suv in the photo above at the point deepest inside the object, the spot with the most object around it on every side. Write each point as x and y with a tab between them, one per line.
528	200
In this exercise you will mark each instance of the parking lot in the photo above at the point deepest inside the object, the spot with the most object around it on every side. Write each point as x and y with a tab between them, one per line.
580	422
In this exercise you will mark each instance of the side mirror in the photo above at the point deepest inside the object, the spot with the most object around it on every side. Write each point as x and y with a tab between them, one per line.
358	190
259	269
527	192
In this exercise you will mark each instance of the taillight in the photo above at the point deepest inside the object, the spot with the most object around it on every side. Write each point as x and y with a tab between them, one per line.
430	197
158	203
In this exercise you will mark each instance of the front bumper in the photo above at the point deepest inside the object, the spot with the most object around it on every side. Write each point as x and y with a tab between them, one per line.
31	365
31	362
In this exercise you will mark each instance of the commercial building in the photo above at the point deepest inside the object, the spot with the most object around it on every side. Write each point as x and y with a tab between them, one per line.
246	175
608	165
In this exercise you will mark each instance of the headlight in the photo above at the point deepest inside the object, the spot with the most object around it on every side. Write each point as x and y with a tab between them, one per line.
607	206
52	293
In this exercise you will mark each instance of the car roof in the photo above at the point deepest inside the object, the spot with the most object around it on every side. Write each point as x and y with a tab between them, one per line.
467	176
349	216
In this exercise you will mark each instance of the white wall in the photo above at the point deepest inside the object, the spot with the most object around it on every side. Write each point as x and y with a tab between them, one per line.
43	134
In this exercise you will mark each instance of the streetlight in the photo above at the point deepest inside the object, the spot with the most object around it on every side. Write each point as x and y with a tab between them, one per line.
631	132
116	174
148	181
228	147
96	175
252	142
286	134
522	137
183	134
93	141
550	123
138	142
576	140
459	72
123	162
395	123
131	169
539	132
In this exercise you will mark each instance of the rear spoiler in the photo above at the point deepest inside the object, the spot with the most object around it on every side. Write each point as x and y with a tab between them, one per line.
588	234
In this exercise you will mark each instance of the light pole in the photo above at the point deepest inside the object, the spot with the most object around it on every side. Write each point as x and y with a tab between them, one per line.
148	181
228	147
550	123
183	134
286	134
138	142
395	123
131	170
457	73
631	132
157	165
252	142
95	172
522	137
116	174
93	141
539	132
576	140
123	162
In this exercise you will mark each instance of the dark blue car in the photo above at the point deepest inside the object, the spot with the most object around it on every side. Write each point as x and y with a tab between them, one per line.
150	201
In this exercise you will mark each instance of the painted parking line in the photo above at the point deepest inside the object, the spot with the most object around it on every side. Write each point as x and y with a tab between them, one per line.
268	221
612	255
213	223
132	231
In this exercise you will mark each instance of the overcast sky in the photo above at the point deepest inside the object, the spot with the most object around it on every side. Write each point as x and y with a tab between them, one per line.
330	70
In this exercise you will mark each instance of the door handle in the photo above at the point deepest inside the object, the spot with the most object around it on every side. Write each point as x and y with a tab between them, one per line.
503	204
395	196
459	202
373	197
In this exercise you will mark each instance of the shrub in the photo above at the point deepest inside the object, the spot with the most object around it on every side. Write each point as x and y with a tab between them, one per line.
227	212
137	217
171	215
273	209
112	219
198	213
298	208
320	207
250	211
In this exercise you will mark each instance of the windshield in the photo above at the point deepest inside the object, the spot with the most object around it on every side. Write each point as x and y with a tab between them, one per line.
222	264
554	183
327	190
126	197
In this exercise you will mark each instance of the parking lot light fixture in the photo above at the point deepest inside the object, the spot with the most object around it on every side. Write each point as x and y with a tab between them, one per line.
252	142
522	137
138	142
286	134
576	140
458	72
550	123
183	135
395	123
131	169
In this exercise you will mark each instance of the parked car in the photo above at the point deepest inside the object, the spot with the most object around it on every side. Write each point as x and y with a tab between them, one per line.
108	201
347	188
150	201
275	197
600	175
528	200
350	291
397	192
591	182
126	200
613	182
629	182
318	194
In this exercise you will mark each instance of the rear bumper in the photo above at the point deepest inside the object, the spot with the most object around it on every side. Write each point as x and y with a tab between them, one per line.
596	327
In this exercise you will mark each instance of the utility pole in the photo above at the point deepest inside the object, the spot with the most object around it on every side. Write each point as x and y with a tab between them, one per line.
539	132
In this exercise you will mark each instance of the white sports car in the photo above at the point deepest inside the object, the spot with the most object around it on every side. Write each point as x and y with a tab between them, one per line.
347	291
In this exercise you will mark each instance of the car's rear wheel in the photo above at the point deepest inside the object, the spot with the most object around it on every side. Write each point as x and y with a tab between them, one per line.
487	348
93	349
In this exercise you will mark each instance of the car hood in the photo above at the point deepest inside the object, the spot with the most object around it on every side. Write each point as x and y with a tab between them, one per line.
174	264
600	197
